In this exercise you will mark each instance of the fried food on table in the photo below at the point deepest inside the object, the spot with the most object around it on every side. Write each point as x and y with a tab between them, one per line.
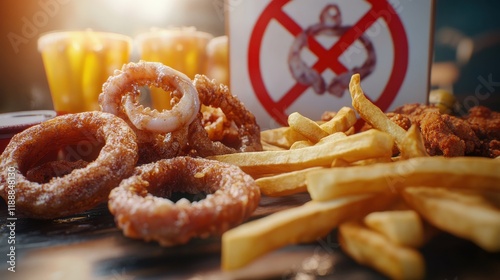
368	144
465	215
458	172
386	239
305	223
371	248
403	227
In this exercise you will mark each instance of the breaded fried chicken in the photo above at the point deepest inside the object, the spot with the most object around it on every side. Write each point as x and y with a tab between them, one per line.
477	134
443	134
486	125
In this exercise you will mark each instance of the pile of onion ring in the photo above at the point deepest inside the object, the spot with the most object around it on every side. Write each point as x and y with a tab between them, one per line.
178	131
82	188
140	157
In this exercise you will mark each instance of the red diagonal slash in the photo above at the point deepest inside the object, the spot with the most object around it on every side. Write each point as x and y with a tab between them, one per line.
380	9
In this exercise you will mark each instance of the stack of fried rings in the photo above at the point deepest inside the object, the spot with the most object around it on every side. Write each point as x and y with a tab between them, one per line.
83	188
141	210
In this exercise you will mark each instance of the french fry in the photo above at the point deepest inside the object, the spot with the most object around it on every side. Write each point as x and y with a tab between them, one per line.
282	137
372	114
301	144
305	223
341	122
468	216
370	161
285	183
270	147
413	144
306	127
368	144
403	227
370	248
338	162
332	137
350	131
459	172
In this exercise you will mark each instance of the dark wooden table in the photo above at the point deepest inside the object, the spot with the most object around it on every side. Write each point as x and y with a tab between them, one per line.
89	246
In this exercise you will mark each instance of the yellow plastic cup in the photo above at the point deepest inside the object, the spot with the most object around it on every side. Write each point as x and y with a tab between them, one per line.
77	63
218	60
183	49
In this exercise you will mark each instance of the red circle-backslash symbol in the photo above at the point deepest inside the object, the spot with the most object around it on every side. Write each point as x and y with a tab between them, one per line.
379	9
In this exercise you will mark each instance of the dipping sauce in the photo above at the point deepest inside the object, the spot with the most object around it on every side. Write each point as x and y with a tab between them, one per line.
15	122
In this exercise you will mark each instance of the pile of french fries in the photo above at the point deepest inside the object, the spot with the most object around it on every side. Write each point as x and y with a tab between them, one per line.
385	206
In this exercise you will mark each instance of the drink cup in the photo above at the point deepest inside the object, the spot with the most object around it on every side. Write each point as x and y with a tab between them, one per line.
77	63
183	49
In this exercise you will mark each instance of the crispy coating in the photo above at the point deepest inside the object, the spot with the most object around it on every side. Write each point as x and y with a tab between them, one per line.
43	173
443	134
486	125
185	129
82	188
476	134
142	209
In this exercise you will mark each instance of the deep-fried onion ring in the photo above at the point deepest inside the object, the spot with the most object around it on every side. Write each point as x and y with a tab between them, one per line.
218	95
141	210
121	91
83	188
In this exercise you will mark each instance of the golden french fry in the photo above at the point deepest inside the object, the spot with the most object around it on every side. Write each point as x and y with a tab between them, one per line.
413	144
462	172
305	223
306	127
338	162
370	161
341	122
301	144
372	114
285	183
350	131
403	227
370	248
367	144
332	137
465	215
282	137
270	147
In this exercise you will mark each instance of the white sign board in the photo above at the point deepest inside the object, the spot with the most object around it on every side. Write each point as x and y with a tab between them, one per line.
298	55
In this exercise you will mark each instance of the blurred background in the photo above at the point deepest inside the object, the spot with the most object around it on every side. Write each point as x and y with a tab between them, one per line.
466	44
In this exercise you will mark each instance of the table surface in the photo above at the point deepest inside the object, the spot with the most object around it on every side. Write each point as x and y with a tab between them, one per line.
90	246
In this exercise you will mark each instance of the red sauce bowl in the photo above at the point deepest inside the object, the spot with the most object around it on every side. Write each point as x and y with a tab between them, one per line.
15	122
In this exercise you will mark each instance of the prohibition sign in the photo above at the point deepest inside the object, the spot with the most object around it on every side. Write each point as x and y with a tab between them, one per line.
379	9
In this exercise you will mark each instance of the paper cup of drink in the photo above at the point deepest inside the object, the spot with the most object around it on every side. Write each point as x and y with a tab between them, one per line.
181	48
77	63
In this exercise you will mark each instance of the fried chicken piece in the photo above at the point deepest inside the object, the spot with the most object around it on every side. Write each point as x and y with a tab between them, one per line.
477	134
443	134
486	125
439	138
400	119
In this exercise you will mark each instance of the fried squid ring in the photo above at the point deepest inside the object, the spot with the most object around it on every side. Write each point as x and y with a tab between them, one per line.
82	188
218	96
121	93
142	211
